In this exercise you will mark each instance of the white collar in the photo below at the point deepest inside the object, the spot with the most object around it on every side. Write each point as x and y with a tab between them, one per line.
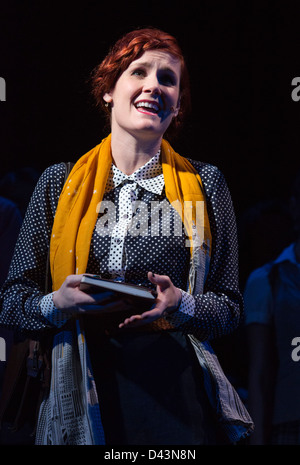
148	176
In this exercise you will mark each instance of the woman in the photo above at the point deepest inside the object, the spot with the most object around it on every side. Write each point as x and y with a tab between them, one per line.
122	377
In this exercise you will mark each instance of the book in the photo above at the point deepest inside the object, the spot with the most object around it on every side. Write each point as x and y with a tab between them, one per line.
136	294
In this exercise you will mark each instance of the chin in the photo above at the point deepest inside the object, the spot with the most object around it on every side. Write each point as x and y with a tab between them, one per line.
154	129
149	132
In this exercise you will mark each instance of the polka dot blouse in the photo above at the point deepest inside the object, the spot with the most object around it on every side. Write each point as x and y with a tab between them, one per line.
131	237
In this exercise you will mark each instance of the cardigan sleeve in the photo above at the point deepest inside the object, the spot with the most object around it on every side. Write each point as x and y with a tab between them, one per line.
24	287
218	310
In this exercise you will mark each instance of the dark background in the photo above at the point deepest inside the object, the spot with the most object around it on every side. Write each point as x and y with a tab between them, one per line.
242	57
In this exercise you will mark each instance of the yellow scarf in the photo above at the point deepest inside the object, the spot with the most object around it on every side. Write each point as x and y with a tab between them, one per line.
78	206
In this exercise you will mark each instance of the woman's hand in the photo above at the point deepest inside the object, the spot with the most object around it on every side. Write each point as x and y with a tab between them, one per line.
70	299
168	299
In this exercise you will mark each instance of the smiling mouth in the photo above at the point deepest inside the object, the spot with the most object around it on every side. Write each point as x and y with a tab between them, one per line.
149	107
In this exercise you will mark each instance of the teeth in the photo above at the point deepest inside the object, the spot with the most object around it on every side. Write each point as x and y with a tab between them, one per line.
154	106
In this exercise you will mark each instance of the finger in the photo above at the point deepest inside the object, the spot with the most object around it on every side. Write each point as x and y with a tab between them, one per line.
73	280
159	280
141	319
133	318
130	321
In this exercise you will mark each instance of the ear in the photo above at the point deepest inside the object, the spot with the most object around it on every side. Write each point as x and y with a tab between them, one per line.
175	114
107	97
177	109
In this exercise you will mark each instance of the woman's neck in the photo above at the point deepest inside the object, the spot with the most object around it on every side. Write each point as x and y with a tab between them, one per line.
130	153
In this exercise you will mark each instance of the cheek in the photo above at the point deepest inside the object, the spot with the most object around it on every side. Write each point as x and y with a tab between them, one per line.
177	97
125	90
174	97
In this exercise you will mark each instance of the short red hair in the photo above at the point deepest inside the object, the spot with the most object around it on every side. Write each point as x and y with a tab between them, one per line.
129	48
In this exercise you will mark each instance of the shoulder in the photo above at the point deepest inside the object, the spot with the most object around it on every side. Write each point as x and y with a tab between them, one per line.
48	188
204	168
53	173
258	285
258	296
259	275
212	177
52	179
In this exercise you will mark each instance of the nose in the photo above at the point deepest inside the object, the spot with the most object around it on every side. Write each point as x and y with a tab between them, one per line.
152	85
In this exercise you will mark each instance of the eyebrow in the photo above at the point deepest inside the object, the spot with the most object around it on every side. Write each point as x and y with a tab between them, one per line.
148	65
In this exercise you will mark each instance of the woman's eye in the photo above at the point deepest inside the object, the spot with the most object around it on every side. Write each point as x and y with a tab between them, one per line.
138	72
167	80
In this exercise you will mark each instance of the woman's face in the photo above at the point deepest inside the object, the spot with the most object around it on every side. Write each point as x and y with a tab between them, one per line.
146	96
